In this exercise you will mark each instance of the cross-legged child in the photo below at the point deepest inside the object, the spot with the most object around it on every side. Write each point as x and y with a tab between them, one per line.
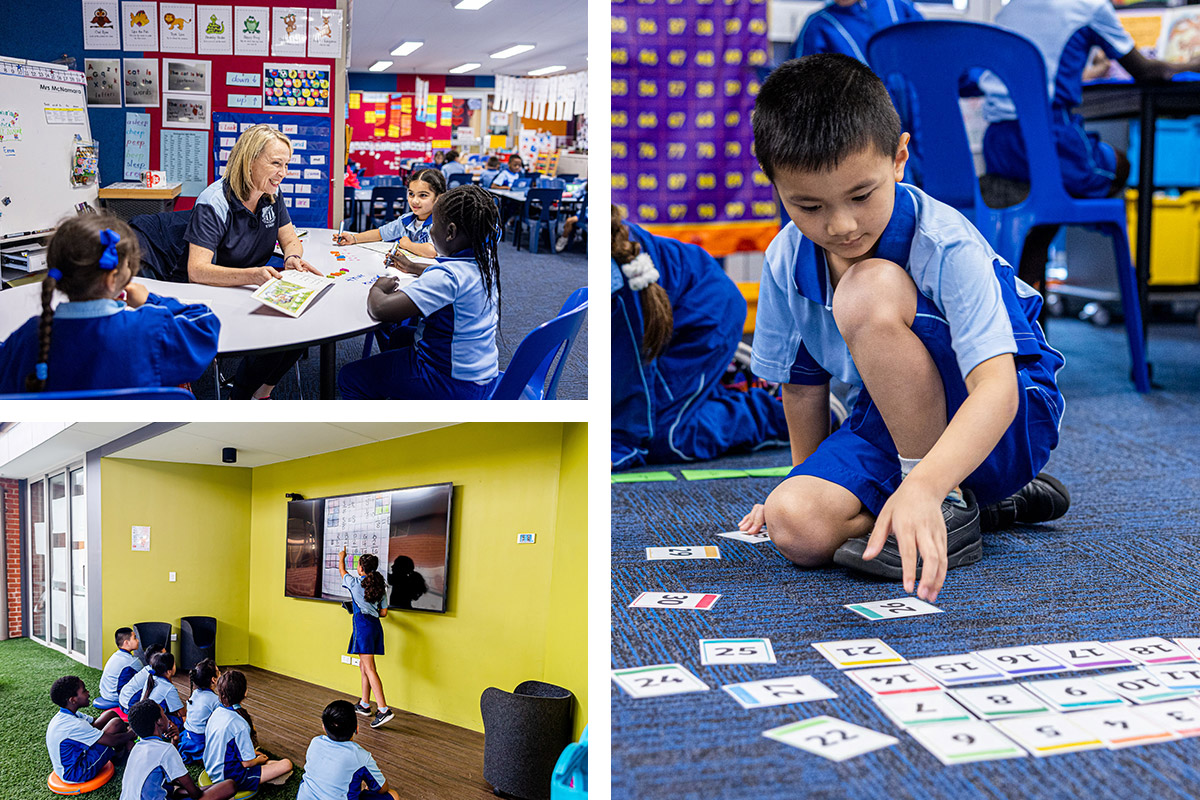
80	746
155	765
899	296
336	767
231	744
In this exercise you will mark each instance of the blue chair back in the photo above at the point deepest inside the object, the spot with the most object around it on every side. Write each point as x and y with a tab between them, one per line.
542	204
521	183
459	179
387	203
525	378
551	183
146	393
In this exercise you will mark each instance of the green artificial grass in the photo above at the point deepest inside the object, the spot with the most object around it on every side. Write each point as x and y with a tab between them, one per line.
26	671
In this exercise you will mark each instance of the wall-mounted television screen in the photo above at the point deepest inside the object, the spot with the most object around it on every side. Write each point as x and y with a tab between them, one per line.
408	529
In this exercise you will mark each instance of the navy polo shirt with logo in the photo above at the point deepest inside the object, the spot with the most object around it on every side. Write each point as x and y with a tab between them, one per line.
237	237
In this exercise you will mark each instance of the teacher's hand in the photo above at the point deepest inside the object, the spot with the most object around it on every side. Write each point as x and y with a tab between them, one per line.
260	275
298	263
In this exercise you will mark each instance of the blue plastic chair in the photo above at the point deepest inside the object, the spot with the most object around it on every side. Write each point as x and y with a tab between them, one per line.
525	378
387	203
570	778
459	179
551	183
541	213
145	393
962	46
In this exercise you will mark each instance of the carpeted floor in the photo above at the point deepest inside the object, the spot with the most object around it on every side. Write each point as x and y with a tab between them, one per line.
26	671
1121	564
533	288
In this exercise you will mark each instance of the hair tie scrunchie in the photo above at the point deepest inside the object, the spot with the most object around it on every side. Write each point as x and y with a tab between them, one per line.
54	273
109	258
640	272
41	370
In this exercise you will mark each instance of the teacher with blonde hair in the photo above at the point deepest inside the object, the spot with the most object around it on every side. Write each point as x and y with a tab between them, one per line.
232	234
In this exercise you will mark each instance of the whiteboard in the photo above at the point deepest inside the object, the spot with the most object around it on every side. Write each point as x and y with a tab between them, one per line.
42	108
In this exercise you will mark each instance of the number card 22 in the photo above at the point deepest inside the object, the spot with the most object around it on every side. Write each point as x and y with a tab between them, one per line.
830	738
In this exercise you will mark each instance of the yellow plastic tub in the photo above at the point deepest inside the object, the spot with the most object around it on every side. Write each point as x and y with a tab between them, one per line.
1175	240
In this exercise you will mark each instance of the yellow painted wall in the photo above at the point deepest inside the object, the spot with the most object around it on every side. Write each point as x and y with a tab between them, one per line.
199	518
508	603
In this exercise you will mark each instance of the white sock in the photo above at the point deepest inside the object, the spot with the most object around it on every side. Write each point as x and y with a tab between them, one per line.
907	465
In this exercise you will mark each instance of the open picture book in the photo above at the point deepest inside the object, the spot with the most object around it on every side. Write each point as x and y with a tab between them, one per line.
293	293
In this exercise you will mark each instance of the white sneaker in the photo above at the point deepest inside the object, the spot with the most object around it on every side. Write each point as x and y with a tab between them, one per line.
561	244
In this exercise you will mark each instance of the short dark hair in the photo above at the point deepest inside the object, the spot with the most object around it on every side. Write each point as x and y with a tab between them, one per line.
64	689
433	177
144	716
340	721
122	636
812	112
162	663
157	647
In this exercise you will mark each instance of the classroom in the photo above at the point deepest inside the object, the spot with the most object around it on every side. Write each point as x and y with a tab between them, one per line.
275	174
221	540
905	355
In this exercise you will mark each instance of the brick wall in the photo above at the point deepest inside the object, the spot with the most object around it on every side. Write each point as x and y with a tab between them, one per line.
10	518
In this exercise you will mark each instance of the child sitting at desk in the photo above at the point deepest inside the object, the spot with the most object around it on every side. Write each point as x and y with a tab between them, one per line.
490	170
451	351
509	176
409	231
114	334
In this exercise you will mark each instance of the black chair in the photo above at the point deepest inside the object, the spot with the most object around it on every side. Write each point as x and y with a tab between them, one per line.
523	735
149	633
459	179
164	252
566	176
387	203
197	641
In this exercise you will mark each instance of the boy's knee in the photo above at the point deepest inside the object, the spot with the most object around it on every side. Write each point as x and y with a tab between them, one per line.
798	530
116	726
874	292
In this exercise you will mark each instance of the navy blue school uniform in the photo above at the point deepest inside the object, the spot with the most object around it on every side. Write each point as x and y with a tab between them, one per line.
337	771
847	29
452	352
970	308
153	764
105	344
132	691
367	634
227	744
120	667
199	708
416	230
675	408
74	746
1064	31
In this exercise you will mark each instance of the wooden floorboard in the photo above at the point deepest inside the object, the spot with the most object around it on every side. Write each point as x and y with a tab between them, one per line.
424	759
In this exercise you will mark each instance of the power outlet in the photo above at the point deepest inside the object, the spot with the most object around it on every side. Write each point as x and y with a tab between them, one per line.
526	538
345	659
354	661
174	637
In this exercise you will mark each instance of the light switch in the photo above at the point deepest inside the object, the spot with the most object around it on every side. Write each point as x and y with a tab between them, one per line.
171	577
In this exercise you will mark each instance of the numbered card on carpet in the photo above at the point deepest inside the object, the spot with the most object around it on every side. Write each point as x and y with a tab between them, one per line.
1139	686
1180	716
962	742
1086	655
782	691
1123	727
736	651
682	551
657	680
1074	693
1177	676
894	609
923	708
830	738
855	653
1152	650
996	702
957	670
676	600
1050	734
742	536
902	679
1022	660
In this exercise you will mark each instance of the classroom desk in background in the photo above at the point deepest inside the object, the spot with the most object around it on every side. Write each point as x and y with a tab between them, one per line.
247	326
129	199
1145	102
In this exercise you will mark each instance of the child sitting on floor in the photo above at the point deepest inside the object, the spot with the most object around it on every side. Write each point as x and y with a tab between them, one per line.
199	708
120	667
230	742
80	746
336	767
155	770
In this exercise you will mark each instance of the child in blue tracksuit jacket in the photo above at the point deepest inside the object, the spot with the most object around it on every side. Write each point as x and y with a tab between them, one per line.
113	334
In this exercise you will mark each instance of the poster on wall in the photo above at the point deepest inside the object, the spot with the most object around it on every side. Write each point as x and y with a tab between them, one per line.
187	76
137	145
141	538
138	21
141	81
100	30
290	31
214	31
296	87
103	81
325	33
184	157
177	27
185	110
252	30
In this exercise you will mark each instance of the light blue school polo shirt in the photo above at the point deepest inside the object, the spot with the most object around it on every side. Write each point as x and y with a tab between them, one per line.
353	584
796	339
166	695
200	707
134	688
336	770
457	329
506	177
1064	31
152	764
119	668
407	225
68	737
452	168
227	736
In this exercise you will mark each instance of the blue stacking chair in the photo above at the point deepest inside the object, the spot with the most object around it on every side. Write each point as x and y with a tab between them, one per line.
387	203
551	183
146	393
525	378
963	46
459	179
541	213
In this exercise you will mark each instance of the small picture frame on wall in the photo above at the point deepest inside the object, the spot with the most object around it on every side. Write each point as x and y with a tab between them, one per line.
185	75
186	111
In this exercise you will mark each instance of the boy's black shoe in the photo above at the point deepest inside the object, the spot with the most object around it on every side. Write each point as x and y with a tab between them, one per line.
963	544
1042	499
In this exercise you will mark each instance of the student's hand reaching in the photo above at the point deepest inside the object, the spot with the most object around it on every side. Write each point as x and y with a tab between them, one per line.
345	238
753	522
135	294
913	515
404	263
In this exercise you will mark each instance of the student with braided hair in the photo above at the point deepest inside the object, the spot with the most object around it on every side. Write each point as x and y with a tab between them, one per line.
450	352
113	334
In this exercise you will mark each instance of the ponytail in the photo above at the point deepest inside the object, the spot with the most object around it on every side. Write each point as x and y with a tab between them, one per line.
202	675
658	321
373	584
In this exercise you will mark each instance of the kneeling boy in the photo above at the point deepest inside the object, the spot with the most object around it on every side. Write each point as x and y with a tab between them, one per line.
335	767
155	764
899	296
79	745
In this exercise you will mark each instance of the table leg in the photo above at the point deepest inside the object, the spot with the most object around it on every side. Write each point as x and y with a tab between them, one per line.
328	370
1145	204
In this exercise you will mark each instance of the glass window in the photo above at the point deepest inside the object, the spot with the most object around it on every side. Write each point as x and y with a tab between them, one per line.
59	559
79	606
38	560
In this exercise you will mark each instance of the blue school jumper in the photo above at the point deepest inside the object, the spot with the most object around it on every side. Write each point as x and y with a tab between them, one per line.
846	30
120	667
134	688
970	308
105	344
452	355
367	633
407	225
1065	32
200	707
337	771
675	408
227	744
153	764
74	746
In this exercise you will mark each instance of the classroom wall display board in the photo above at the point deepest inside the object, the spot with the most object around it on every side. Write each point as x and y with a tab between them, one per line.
406	528
47	157
682	163
386	128
306	190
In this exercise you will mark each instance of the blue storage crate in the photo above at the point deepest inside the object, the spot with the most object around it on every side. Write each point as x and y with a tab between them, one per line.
1176	152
